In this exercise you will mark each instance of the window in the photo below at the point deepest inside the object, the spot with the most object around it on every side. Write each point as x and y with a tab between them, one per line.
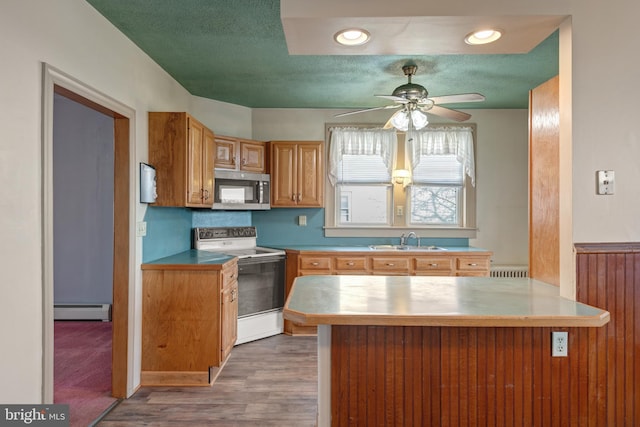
360	169
440	195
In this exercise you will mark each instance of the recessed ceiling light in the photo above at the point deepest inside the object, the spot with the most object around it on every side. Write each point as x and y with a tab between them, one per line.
483	37
352	37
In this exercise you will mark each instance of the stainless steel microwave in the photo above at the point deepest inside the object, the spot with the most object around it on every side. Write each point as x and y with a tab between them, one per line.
236	190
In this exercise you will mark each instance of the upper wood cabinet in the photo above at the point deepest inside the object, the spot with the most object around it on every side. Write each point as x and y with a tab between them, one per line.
297	177
240	154
181	149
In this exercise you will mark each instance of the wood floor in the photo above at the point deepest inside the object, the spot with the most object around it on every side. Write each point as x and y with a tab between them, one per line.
270	382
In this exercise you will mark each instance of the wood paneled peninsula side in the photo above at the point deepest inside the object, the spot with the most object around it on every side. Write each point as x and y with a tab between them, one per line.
416	350
381	260
189	317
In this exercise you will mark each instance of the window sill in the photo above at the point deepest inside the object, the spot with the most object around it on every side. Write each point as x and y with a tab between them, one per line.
443	232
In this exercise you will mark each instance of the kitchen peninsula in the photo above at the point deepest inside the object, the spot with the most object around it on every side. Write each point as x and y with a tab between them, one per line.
416	350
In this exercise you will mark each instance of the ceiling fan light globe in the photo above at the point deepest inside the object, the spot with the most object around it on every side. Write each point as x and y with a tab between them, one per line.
418	119
400	120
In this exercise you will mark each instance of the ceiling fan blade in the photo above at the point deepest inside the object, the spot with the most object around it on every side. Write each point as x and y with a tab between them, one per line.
448	113
394	98
462	97
386	107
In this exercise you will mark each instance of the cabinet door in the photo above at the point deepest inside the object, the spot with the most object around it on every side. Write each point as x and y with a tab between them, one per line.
283	174
229	325
195	168
252	156
226	150
208	158
310	187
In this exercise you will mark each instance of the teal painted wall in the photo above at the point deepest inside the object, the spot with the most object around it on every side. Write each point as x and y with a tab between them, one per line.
169	229
279	227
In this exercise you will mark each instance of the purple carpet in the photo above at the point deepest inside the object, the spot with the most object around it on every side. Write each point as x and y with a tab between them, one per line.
82	369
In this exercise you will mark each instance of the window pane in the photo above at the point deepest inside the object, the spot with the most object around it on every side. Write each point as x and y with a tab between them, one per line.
439	169
434	205
364	204
362	168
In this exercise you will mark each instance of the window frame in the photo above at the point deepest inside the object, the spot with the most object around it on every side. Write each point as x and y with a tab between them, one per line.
400	224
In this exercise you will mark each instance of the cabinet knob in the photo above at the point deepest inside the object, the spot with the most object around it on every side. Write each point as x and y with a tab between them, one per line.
233	295
472	264
293	197
433	265
351	264
390	264
244	161
315	263
299	197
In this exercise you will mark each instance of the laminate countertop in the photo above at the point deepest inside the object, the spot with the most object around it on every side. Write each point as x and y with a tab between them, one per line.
190	260
384	249
435	301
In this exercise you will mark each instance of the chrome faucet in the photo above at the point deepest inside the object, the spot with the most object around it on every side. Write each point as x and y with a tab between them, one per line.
403	238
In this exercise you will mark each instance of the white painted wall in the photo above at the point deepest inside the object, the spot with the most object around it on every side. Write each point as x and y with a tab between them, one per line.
501	167
71	36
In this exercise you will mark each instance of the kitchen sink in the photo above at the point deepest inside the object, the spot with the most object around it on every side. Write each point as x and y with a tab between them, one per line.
405	248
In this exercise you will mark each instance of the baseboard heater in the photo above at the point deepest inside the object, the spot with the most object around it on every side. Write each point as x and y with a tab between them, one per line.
82	312
509	271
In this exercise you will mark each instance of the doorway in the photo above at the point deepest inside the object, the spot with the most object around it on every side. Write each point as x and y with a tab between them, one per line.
56	82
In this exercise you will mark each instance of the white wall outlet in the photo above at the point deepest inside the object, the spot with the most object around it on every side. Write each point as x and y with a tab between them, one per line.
559	344
302	220
399	210
606	181
141	229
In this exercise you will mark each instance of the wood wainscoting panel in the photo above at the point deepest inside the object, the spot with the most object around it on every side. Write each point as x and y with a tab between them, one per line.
460	376
608	275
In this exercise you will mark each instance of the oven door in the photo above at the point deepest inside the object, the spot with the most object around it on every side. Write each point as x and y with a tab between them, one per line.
260	284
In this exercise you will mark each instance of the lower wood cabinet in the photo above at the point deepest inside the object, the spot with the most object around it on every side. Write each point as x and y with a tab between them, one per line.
189	322
445	263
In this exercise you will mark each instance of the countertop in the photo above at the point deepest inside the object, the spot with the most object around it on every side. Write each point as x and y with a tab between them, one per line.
368	249
192	259
435	301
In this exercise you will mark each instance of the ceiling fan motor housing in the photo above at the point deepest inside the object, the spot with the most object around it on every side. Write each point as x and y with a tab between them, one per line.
411	91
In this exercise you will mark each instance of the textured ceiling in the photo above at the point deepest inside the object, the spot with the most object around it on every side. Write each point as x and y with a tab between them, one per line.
236	52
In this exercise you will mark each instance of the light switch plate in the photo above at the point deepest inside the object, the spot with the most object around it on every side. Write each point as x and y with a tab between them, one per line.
606	181
141	229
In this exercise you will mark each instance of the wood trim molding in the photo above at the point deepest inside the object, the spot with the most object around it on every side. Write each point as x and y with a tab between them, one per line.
56	81
607	248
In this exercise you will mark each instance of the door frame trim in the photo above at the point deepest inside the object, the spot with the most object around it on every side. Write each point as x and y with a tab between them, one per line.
124	324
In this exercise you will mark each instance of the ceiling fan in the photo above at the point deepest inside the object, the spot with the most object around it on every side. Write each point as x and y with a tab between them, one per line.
414	101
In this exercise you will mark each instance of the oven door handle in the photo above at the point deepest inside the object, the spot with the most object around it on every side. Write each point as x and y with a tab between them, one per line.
260	260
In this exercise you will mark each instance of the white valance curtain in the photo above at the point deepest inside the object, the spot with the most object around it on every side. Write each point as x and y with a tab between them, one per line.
449	140
360	141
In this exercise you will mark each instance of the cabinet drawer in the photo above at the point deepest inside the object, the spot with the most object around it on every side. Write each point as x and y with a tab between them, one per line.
351	263
435	265
390	264
472	264
315	263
